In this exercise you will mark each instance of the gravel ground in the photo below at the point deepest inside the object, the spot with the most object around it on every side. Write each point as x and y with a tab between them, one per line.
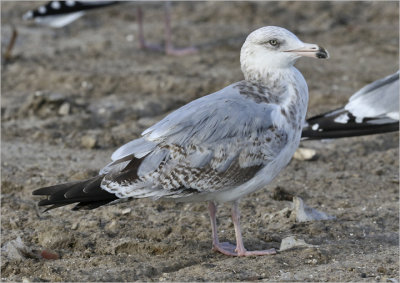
72	96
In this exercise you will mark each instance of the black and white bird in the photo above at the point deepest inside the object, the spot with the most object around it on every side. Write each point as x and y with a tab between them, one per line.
218	148
58	14
373	109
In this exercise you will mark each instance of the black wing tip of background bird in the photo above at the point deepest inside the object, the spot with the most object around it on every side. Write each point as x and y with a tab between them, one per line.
65	8
309	134
87	194
327	128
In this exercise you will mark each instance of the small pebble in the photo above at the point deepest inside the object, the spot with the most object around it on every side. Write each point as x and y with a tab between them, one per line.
64	109
17	250
305	213
112	225
126	211
88	142
49	255
305	154
56	97
363	275
292	242
129	37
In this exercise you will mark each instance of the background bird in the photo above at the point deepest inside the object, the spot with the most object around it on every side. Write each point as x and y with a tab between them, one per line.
373	109
217	148
58	14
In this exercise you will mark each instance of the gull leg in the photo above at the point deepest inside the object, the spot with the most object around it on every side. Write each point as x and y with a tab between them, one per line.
225	248
169	48
240	249
212	208
142	42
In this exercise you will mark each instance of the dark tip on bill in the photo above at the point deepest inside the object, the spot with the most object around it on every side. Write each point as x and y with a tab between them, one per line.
322	53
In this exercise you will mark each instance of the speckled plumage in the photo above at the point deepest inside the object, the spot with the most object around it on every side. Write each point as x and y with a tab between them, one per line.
203	145
222	146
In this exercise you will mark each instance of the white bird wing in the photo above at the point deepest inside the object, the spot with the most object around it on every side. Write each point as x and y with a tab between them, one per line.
215	142
380	98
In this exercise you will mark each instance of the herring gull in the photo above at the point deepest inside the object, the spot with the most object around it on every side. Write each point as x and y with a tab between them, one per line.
217	148
373	109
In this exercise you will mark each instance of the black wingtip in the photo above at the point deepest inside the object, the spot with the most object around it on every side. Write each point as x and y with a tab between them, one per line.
52	189
325	126
57	8
75	192
309	134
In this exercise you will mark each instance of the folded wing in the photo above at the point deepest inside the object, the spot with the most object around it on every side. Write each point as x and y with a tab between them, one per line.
215	142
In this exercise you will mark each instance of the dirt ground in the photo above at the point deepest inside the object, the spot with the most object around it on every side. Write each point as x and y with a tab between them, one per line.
70	97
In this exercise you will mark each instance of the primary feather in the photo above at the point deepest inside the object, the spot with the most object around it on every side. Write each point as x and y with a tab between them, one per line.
373	109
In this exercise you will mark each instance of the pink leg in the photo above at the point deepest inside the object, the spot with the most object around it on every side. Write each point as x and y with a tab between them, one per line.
139	14
142	41
227	248
169	48
213	212
240	250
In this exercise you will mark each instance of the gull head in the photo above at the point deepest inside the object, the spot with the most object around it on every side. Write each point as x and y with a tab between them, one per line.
270	48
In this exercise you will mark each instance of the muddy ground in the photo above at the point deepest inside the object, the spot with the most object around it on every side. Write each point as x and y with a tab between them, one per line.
70	97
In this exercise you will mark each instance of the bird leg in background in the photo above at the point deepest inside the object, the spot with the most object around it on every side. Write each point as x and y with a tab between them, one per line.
8	53
169	48
142	41
225	247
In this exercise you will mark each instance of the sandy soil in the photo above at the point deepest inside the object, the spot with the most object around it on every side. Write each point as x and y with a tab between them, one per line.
70	97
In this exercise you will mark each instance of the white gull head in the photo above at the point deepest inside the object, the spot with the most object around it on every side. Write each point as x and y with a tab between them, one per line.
269	49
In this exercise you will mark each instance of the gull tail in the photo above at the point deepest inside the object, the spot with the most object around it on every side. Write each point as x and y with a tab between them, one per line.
341	123
87	194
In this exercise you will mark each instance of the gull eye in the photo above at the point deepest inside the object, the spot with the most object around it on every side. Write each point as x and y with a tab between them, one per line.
273	42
